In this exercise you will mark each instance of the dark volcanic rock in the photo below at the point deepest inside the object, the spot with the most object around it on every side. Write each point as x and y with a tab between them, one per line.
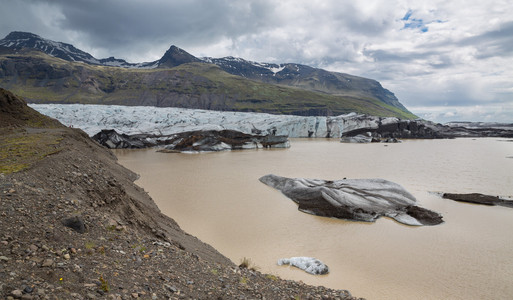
354	199
76	223
477	198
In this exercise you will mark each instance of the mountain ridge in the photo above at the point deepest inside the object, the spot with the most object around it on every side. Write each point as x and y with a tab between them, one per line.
323	84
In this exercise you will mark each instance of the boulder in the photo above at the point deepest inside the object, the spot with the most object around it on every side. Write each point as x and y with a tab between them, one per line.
76	223
354	199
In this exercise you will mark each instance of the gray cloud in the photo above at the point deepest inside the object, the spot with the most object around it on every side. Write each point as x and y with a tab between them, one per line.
195	21
497	42
463	61
134	28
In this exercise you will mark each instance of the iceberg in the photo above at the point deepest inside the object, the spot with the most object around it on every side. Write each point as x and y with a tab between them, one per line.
308	264
354	199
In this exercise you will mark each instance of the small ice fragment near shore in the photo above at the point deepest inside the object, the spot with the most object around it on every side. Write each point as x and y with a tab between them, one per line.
308	264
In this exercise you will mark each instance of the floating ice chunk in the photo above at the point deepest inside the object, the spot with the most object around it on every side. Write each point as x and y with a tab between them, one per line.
308	264
354	199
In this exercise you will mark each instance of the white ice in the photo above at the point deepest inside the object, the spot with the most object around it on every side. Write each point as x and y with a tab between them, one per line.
169	120
308	264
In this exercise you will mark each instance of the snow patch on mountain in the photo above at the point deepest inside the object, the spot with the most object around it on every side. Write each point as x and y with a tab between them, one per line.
229	61
276	70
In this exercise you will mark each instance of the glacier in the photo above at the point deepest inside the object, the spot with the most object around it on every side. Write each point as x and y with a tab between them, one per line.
152	120
169	120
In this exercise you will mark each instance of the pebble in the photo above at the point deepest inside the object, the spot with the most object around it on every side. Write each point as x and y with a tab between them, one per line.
47	262
112	222
67	256
171	288
17	293
4	258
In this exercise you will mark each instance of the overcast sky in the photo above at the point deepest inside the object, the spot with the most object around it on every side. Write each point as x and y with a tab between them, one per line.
445	60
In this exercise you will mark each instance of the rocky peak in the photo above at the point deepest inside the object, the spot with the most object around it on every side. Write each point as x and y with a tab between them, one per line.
20	35
18	40
175	56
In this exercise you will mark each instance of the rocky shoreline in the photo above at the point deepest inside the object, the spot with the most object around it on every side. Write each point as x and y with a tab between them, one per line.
73	225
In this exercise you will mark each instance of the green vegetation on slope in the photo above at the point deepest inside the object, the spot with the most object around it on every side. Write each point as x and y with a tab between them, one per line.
20	149
25	135
44	79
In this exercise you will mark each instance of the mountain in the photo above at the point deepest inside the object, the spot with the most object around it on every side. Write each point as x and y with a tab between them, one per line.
175	57
17	40
46	71
307	77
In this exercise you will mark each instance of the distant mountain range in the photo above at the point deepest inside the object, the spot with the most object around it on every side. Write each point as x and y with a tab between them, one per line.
45	71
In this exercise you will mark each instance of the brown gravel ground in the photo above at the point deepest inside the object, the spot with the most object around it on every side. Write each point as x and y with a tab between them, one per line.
116	244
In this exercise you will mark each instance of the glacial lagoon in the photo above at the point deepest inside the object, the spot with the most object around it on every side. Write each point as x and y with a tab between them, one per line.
218	198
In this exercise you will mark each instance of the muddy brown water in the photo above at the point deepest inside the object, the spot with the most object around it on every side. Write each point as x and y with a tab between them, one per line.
218	198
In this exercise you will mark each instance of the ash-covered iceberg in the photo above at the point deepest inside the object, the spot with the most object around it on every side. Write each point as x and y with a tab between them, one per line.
192	141
354	199
308	264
